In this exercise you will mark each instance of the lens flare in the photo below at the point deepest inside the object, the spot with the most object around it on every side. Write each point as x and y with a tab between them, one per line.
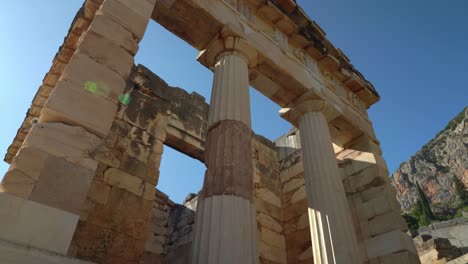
124	99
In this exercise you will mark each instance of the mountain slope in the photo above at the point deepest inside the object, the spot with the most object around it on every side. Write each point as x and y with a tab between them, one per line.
435	165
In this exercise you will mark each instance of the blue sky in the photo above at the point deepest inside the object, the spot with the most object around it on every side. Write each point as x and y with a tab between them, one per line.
414	52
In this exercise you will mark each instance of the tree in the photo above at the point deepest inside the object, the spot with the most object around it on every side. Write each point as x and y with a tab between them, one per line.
461	190
424	208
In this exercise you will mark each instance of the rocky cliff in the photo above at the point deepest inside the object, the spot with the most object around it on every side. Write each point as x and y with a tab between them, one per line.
435	165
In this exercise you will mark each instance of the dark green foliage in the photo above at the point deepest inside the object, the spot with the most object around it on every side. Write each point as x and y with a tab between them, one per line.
460	211
411	221
461	190
424	205
444	169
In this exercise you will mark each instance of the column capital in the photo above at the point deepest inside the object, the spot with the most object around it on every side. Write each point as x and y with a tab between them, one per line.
307	104
228	42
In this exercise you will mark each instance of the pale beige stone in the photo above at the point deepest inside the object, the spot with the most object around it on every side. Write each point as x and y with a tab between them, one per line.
106	52
72	143
29	161
387	243
268	196
107	156
269	222
129	14
386	223
303	221
271	253
299	194
30	223
149	192
79	108
17	183
273	239
62	184
124	180
114	32
293	185
291	172
99	192
82	72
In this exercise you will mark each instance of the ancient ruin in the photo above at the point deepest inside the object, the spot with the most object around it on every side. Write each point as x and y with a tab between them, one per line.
85	162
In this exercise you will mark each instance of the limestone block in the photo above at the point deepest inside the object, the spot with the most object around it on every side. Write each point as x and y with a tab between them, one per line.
12	253
62	184
107	156
69	142
33	224
269	222
371	176
291	172
17	183
149	192
386	223
133	15
271	253
268	209
84	73
363	161
295	210
293	184
106	52
391	242
114	32
81	108
306	254
124	180
299	194
268	196
153	245
377	206
404	257
273	239
99	192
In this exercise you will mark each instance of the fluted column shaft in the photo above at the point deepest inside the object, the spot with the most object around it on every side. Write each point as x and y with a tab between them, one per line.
332	230
226	228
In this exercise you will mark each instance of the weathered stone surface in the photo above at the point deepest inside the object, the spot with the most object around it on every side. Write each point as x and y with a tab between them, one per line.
87	72
268	222
99	192
113	31
62	185
107	53
89	111
229	161
268	196
35	224
134	15
391	242
69	142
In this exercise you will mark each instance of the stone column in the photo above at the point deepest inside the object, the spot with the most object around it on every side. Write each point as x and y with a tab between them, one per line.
226	228
332	229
